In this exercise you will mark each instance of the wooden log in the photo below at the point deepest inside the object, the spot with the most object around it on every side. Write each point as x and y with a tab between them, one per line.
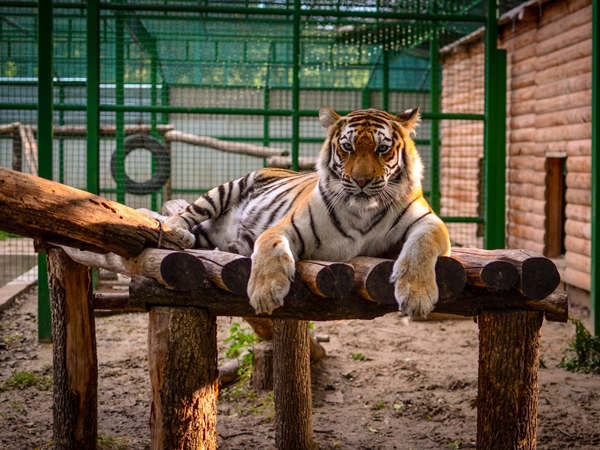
115	302
182	360
578	229
52	212
538	276
578	196
75	380
571	85
225	146
527	204
579	164
291	386
527	190
526	232
567	101
493	274
173	206
228	372
516	242
105	130
569	16
579	180
227	270
578	245
577	278
507	399
527	177
285	162
30	150
527	218
579	212
180	271
582	114
304	305
9	128
577	67
262	366
327	279
582	263
527	163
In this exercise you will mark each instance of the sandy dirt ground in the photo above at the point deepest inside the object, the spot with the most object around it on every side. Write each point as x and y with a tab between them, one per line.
385	384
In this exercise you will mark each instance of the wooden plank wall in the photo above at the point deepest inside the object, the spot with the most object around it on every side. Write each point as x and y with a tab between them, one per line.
462	140
549	115
549	96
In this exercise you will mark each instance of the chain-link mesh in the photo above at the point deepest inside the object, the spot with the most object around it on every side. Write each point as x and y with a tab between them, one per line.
175	73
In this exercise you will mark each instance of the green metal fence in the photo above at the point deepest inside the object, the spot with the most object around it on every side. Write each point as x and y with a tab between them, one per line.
86	76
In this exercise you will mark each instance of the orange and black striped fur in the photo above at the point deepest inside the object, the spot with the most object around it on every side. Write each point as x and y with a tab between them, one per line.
364	199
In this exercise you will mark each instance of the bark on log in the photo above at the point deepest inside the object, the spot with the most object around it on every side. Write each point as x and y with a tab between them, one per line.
75	380
227	270
263	328
17	156
262	366
52	212
327	279
304	305
115	302
507	399
175	270
291	386
182	359
493	274
225	146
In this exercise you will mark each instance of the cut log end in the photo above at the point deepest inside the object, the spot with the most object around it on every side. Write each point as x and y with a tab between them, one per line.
182	271
499	275
235	275
450	277
539	278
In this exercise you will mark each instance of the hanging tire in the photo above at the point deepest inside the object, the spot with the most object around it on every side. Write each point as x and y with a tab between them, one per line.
161	156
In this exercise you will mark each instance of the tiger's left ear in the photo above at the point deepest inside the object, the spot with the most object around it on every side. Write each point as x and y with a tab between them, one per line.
410	119
327	116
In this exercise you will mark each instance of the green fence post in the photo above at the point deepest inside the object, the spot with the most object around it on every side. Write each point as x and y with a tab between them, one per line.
434	104
45	143
494	135
120	100
385	80
93	96
296	87
595	251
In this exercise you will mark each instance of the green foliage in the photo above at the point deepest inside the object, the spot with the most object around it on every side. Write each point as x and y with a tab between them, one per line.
357	356
454	445
583	354
239	340
110	443
23	380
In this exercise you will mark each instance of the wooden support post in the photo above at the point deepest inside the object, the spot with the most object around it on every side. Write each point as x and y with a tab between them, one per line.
262	366
507	402
75	392
182	359
291	385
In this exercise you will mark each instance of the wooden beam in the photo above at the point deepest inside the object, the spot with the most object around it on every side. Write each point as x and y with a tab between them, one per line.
52	212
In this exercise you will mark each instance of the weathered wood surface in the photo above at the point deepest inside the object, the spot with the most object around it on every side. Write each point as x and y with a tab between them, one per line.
75	362
180	271
303	304
182	360
227	270
52	212
507	399
262	366
225	146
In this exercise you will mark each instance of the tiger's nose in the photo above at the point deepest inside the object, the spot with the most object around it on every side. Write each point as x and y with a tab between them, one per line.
361	181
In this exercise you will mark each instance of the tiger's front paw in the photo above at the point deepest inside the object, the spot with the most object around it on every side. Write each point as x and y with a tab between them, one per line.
415	287
179	226
271	277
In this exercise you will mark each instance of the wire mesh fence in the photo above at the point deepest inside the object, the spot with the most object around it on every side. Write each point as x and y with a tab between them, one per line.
253	73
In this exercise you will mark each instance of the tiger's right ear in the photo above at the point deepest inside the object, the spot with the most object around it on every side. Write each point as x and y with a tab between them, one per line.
328	116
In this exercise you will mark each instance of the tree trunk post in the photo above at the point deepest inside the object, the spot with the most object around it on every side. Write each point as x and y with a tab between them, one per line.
507	401
75	384
291	385
182	359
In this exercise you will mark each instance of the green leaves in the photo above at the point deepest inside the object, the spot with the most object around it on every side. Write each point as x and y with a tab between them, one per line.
583	354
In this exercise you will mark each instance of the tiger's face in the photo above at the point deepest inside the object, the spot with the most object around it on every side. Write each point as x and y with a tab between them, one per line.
369	156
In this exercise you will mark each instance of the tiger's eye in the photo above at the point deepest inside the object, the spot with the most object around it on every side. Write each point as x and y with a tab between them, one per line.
383	149
347	147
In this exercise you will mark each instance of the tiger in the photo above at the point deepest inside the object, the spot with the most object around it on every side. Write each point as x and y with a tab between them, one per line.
364	199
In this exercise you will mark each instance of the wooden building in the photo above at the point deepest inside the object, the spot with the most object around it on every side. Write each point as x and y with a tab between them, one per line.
549	97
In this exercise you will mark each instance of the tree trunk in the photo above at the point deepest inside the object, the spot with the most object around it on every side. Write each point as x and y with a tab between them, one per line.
507	402
75	392
291	380
182	358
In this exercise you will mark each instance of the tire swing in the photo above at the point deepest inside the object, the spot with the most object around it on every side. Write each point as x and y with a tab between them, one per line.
163	163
